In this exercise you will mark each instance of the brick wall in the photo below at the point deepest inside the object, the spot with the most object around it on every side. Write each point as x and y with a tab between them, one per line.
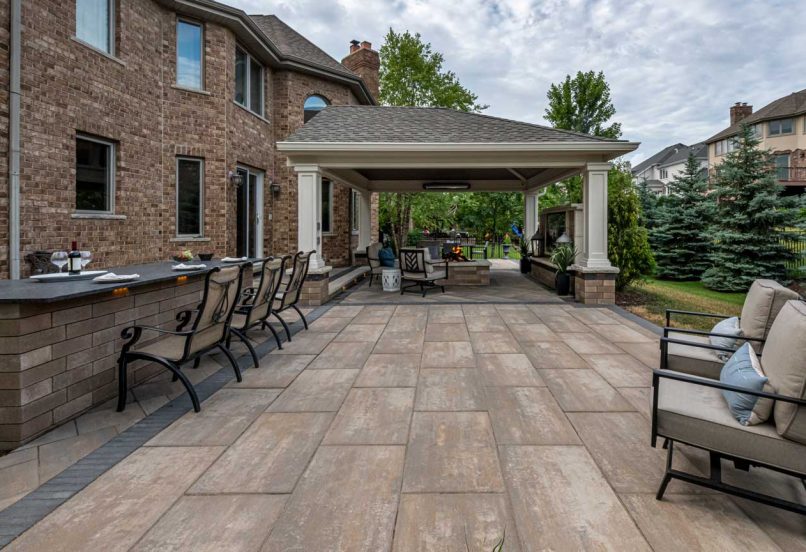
4	101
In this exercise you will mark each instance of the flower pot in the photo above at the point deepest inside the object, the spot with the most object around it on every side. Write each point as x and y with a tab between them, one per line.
526	265
562	283
506	250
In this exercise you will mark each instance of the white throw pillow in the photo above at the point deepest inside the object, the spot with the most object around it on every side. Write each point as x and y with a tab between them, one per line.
729	326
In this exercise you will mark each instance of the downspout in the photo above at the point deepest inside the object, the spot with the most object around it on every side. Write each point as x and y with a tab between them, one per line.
15	92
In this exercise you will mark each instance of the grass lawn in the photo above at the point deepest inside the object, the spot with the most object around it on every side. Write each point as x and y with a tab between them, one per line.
650	300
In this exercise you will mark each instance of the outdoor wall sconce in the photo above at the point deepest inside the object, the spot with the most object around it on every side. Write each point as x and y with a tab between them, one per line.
446	186
235	179
274	187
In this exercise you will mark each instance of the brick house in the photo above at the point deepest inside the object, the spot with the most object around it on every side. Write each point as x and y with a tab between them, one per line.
147	127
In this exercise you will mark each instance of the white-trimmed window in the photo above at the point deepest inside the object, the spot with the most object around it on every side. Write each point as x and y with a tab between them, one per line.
356	210
249	82
782	166
327	206
189	196
313	105
189	54
95	24
664	173
95	175
779	127
725	146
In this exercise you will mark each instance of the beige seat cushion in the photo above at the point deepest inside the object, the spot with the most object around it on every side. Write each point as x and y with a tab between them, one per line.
171	347
763	302
784	362
238	320
435	275
697	361
699	415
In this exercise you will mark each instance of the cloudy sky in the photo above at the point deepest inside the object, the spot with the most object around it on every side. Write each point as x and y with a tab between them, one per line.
674	67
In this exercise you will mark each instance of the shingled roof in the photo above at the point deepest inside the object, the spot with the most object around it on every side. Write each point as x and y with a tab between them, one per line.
788	106
659	158
384	124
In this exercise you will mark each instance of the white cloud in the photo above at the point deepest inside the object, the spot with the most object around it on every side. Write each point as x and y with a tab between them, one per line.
674	67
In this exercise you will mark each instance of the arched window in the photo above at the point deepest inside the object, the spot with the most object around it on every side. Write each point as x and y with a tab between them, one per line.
313	105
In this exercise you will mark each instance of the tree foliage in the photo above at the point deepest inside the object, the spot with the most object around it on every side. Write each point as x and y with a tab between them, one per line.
627	241
490	214
680	237
752	219
583	104
649	204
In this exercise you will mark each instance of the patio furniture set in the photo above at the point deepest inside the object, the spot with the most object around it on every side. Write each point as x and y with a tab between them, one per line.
228	308
757	420
414	265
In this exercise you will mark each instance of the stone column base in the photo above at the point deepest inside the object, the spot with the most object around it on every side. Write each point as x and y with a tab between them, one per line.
595	286
315	288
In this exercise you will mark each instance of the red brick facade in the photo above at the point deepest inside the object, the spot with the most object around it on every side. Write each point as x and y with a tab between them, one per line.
131	99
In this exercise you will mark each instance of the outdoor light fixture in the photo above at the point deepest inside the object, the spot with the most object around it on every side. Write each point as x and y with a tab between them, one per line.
235	179
440	186
564	238
274	187
537	243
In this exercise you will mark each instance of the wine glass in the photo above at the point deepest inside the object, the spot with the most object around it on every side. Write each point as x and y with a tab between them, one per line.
59	258
86	258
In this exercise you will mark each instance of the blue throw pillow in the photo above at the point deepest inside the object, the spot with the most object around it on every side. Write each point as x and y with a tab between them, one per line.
729	326
387	257
744	370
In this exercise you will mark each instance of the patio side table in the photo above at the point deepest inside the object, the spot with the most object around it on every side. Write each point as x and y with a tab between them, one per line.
391	279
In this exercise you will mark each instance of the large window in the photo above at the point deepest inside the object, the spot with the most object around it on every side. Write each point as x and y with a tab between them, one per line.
725	146
782	167
248	82
189	196
664	173
95	175
95	23
189	52
313	105
327	206
781	126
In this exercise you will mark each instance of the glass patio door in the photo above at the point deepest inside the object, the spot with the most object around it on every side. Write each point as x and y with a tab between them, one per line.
249	234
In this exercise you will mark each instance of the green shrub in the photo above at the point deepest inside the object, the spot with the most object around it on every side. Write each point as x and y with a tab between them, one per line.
414	237
627	241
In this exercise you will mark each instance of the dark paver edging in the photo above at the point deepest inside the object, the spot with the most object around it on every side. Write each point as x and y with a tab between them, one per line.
33	507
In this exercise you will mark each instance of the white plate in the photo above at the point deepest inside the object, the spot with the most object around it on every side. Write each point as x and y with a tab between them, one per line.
233	260
127	278
188	268
66	277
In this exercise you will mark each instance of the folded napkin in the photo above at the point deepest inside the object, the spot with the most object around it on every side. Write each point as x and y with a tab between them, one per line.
232	259
183	266
112	277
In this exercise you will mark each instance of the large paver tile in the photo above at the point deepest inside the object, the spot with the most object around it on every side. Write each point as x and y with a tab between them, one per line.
454	523
400	342
332	324
451	452
389	370
528	416
589	343
269	457
315	391
375	314
787	529
590	316
507	369
485	323
619	441
564	323
411	310
342	355
446	332
55	457
275	371
639	398
683	522
553	354
306	343
373	416
114	511
213	523
583	390
442	354
561	501
449	389
621	370
533	332
445	315
343	311
223	418
472	311
648	353
106	416
345	500
407	323
621	333
360	333
500	341
517	314
19	473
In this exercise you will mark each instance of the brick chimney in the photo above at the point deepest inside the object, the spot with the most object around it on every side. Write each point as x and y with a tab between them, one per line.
365	62
739	112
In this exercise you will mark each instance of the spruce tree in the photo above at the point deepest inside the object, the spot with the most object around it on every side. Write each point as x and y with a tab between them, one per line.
649	204
752	219
680	235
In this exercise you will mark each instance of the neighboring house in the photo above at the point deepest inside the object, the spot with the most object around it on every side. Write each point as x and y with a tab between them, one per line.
661	168
149	127
781	127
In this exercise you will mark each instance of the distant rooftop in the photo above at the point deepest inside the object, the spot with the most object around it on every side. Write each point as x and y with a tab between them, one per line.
788	106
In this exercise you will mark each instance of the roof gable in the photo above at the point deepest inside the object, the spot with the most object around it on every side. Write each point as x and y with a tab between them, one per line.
658	158
789	106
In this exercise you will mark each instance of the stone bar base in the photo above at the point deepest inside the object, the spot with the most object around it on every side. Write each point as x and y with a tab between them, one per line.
595	286
315	288
469	273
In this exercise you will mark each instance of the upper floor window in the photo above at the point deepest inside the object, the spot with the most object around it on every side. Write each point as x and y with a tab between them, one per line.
189	52
189	196
313	105
725	146
782	167
248	82
664	173
781	126
95	175
95	23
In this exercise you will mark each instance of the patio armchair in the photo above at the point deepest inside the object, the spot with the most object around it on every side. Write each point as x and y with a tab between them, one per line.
287	296
692	352
257	304
691	410
479	250
416	266
209	329
374	260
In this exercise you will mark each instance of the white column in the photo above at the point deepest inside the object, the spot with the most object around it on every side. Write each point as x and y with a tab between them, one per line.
530	214
594	215
364	222
309	211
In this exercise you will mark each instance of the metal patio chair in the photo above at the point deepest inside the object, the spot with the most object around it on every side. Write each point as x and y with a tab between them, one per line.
288	296
257	304
375	267
209	329
416	266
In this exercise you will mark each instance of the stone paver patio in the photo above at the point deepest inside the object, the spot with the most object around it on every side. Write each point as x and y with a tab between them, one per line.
426	426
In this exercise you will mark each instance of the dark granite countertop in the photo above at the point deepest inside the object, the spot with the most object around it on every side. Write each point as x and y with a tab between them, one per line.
30	291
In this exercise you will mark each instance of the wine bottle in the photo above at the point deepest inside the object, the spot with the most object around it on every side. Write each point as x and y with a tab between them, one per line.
74	260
